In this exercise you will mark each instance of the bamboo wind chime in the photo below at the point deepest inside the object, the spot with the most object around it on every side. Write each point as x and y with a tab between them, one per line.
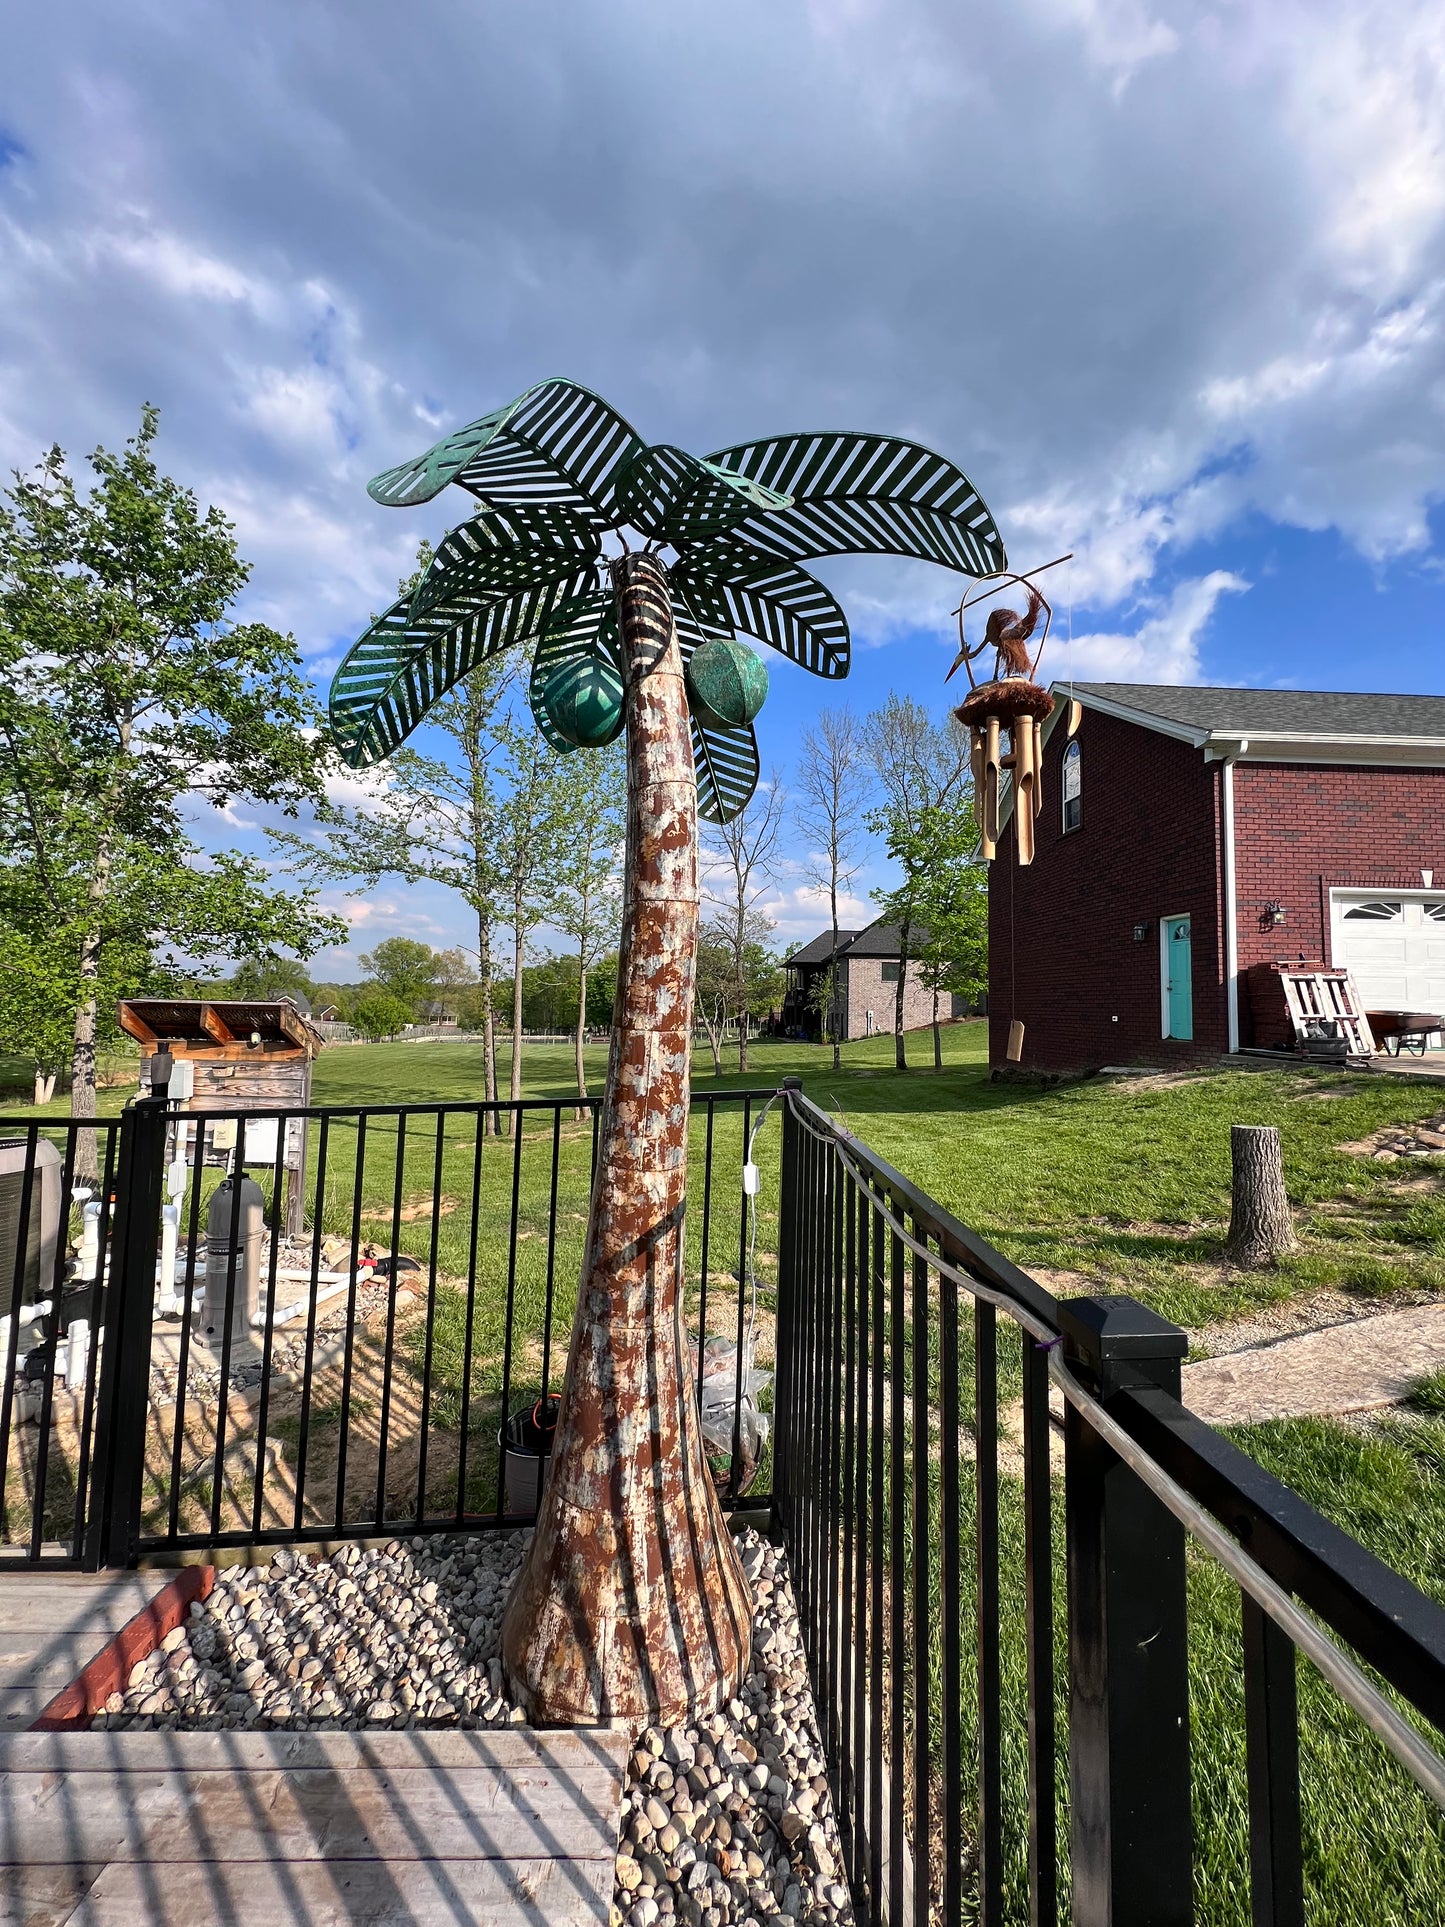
1012	704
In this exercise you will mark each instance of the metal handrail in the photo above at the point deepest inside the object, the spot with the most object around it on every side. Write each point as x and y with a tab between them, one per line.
1399	1629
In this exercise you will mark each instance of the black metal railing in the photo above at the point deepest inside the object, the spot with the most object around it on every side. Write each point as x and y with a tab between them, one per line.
1003	1745
331	1346
55	1181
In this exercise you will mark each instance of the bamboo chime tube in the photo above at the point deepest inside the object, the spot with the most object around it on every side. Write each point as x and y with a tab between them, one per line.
1025	777
991	775
980	793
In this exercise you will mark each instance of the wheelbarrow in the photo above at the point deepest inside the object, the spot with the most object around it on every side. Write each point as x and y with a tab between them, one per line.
1404	1032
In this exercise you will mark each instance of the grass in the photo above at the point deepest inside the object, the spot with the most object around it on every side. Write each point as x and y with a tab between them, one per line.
1127	1189
1118	1187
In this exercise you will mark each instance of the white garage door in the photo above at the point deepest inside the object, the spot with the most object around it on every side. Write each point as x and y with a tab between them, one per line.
1395	949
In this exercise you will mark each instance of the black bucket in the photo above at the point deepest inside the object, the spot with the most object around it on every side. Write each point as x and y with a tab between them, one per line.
526	1445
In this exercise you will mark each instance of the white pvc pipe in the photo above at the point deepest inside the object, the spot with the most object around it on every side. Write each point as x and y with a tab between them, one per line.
77	1351
285	1313
89	1241
170	1236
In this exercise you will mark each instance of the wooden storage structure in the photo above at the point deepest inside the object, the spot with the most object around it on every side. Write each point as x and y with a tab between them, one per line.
243	1055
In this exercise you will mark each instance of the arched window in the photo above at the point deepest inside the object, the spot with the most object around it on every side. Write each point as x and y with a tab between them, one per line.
1072	786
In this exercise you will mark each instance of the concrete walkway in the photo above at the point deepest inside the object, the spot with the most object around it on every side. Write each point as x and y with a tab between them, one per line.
1361	1366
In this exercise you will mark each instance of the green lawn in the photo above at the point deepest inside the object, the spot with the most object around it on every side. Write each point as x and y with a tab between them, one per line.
1128	1188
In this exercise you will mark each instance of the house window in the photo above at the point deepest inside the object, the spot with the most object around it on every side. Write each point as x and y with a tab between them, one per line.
1380	912
1073	782
1435	912
890	973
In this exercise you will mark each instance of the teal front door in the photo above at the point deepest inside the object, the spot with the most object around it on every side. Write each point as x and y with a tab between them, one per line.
1178	978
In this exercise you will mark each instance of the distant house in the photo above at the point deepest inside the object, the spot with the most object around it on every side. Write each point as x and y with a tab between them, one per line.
1191	837
869	962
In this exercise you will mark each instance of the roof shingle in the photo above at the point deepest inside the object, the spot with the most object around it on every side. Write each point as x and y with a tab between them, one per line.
1278	712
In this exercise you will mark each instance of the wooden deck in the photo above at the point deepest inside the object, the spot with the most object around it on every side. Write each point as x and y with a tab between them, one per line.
52	1624
377	1829
427	1828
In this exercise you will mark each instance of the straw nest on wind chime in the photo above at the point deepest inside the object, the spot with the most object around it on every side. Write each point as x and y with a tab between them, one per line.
1005	716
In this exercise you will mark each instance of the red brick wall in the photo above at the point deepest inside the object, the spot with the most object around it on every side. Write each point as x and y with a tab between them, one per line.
1061	932
1300	831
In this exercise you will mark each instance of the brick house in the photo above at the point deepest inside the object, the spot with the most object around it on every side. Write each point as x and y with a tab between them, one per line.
869	962
1189	835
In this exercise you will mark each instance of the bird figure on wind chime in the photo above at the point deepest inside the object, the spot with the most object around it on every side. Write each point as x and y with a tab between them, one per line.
1012	705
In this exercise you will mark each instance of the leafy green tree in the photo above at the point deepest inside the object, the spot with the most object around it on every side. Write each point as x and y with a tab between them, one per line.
270	977
405	968
715	982
453	980
744	850
37	973
127	691
920	766
435	820
532	829
832	775
550	994
944	897
380	1013
584	881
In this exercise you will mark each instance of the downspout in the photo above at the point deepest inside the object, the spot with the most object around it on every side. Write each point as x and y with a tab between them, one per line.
1231	906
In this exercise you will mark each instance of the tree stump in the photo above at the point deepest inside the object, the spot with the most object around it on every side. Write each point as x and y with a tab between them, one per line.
1261	1228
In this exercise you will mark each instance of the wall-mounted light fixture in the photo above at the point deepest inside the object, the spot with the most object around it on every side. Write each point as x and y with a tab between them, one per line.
1272	915
1141	932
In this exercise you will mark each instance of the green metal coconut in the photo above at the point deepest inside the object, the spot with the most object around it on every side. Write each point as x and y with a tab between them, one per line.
726	684
584	702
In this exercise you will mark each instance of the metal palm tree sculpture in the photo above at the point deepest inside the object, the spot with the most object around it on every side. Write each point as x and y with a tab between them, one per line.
631	1604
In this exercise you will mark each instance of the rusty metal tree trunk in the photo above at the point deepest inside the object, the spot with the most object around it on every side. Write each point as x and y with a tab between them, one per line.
631	1604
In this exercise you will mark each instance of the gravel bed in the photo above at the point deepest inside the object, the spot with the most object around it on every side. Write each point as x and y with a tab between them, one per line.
288	1347
728	1821
398	1636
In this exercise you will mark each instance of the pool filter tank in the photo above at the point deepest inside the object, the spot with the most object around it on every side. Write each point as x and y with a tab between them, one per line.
233	1278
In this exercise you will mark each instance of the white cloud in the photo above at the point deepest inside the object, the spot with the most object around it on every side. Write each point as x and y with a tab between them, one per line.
1144	268
1164	647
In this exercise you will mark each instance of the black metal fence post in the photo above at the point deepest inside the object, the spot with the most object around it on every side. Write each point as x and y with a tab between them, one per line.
1271	1711
1128	1641
125	1361
784	1352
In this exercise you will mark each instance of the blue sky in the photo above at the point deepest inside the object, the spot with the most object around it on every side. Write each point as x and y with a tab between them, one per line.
1168	280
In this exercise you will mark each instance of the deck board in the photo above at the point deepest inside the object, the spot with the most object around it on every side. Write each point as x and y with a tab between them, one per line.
357	1829
52	1624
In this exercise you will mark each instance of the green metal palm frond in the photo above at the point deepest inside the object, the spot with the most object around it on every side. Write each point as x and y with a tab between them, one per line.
556	469
497	551
406	661
673	497
558	443
733	588
866	495
727	769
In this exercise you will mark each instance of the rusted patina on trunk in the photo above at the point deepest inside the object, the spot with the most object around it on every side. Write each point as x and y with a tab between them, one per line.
631	1604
